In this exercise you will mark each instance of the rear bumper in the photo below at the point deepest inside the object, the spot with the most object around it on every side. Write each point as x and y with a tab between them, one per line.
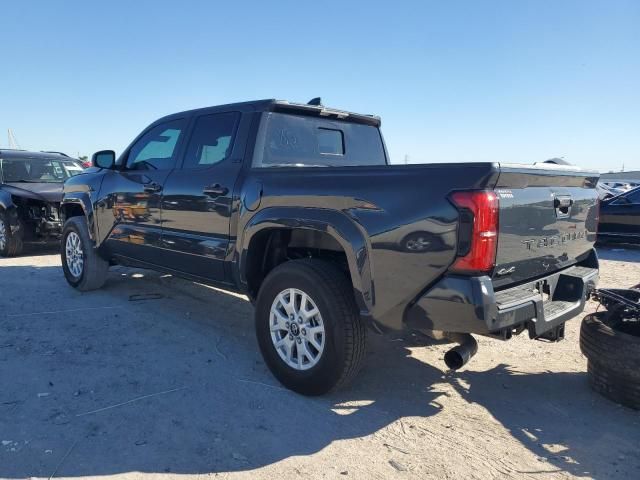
470	304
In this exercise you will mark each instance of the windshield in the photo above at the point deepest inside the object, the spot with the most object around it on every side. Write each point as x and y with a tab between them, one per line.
36	170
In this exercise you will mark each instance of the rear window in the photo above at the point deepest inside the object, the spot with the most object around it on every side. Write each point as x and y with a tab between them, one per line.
290	140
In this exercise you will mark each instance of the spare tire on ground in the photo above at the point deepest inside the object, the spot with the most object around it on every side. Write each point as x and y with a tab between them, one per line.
612	347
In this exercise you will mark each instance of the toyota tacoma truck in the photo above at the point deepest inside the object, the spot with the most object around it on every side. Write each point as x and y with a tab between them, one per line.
297	206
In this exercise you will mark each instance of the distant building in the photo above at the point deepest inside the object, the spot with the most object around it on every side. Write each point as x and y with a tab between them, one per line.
615	183
622	177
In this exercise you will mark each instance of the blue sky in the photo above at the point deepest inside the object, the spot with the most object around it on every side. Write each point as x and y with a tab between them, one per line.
513	81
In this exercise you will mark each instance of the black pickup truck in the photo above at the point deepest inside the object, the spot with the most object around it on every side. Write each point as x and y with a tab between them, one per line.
297	206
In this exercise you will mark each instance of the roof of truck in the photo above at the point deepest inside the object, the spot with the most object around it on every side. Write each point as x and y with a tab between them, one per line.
273	105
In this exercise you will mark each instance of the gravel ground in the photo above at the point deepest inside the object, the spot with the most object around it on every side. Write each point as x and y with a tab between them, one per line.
153	376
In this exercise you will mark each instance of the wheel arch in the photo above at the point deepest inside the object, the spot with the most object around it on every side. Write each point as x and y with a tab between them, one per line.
317	229
79	204
5	200
7	205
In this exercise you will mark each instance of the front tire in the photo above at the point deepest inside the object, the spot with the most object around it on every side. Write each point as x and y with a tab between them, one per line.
84	269
11	243
308	326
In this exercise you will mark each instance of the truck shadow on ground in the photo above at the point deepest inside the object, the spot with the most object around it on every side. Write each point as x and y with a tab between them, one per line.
41	248
157	375
558	418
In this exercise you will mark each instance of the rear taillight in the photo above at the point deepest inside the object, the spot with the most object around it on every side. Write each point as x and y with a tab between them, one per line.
478	233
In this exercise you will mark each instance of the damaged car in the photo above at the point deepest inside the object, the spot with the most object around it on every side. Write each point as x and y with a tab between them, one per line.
30	195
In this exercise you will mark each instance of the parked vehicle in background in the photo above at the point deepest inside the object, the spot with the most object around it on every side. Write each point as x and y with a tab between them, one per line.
80	165
30	195
297	206
86	163
613	189
620	218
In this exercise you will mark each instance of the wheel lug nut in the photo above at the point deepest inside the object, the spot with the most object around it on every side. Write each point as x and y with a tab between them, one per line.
286	324
290	337
298	340
304	331
291	317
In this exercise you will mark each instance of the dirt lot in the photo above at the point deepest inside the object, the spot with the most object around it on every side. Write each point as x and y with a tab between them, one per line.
172	384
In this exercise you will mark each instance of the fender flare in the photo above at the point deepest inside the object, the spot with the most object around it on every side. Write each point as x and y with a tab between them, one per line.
83	200
349	234
5	200
7	205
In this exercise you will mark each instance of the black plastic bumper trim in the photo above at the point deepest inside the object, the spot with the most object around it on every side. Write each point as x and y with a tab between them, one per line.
470	304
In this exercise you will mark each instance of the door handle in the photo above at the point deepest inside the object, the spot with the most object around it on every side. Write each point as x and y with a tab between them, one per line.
152	187
215	190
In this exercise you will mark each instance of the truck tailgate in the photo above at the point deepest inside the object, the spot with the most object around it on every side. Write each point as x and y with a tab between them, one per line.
547	220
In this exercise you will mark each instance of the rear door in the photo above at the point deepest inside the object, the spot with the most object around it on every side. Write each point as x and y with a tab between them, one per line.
197	197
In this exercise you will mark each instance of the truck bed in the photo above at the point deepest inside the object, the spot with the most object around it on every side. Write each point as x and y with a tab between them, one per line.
405	229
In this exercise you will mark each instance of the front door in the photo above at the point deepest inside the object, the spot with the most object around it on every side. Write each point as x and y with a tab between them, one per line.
135	191
197	198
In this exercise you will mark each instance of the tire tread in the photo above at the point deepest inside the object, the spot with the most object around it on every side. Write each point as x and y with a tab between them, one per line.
614	386
95	267
603	345
613	360
353	334
355	331
15	240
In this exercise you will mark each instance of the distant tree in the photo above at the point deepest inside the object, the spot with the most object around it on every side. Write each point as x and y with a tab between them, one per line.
83	158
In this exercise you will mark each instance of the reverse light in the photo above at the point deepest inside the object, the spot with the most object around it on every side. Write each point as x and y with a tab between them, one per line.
478	233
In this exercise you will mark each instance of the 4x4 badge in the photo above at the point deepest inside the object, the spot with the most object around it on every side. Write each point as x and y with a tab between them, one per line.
506	271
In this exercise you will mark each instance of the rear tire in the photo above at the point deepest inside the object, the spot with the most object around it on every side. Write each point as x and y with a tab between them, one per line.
342	342
11	243
84	268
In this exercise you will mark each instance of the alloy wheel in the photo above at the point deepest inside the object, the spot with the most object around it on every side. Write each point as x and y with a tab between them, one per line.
74	254
297	330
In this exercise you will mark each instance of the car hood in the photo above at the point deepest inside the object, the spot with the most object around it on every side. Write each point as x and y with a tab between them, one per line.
48	192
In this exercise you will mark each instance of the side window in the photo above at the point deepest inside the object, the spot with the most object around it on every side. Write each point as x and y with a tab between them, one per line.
297	141
156	149
212	140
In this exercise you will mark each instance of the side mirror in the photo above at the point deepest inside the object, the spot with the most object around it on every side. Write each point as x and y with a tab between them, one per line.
104	159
